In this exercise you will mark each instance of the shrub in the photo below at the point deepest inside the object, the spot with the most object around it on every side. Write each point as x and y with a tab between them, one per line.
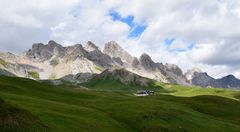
2	62
33	74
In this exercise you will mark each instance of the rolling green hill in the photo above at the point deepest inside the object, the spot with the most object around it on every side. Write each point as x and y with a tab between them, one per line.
120	80
13	119
184	91
111	84
72	109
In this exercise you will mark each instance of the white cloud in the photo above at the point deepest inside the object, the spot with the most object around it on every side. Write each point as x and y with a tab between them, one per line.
213	26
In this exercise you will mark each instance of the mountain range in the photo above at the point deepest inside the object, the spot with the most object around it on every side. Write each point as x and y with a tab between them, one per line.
78	64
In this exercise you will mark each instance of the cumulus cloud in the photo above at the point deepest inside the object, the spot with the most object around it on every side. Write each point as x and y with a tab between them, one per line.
206	33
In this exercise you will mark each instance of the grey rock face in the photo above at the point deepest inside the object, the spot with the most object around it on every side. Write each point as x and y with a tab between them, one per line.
118	60
78	78
135	63
90	46
114	50
174	68
54	58
173	73
21	70
74	52
123	76
6	73
53	50
9	57
54	62
202	79
101	59
229	81
146	62
43	52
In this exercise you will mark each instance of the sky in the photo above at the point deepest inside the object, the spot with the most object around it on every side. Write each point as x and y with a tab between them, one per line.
201	34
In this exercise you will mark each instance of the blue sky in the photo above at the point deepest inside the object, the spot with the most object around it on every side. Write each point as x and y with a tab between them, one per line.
135	29
203	33
169	41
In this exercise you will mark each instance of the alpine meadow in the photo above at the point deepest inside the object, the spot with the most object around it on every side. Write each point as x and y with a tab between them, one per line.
120	66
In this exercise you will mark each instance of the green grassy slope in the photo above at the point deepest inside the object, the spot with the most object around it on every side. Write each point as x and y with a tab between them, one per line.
116	85
74	109
13	119
183	91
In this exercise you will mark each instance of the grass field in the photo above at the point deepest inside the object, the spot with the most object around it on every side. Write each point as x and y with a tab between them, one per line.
183	91
173	108
14	119
109	84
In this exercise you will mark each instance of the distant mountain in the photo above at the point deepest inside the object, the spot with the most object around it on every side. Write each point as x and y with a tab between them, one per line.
202	79
119	79
78	63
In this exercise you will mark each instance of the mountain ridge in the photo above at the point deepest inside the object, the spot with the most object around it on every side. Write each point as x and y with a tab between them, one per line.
54	61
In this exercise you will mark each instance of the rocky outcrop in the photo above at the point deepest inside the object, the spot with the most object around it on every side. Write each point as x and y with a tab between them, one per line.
198	78
124	76
174	69
135	63
202	79
21	70
173	73
52	50
6	73
114	50
74	52
41	52
146	62
229	81
90	46
78	78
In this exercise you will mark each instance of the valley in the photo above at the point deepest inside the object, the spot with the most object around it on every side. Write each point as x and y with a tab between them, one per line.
75	108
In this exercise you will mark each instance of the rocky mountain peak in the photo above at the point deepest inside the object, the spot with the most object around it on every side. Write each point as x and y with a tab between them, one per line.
113	49
113	45
135	63
174	68
37	46
52	60
202	79
145	56
75	51
229	81
53	44
90	46
43	52
229	78
147	62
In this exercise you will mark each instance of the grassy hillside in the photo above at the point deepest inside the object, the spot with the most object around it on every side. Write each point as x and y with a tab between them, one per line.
183	91
116	85
74	109
13	119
